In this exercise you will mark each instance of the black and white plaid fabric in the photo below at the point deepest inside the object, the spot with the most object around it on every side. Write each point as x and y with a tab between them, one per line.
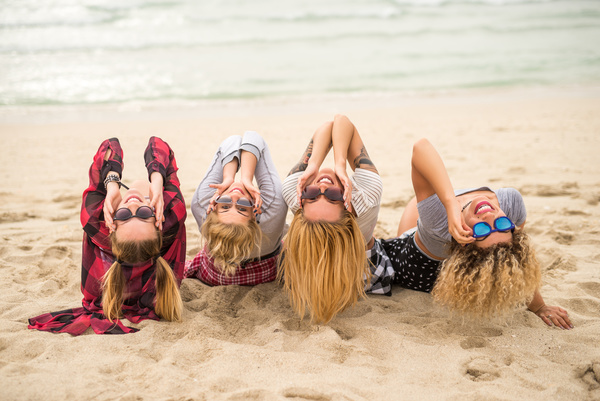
382	271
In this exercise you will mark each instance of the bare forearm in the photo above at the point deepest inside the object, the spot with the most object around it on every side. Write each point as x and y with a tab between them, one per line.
248	167
537	302
429	173
317	149
341	136
230	169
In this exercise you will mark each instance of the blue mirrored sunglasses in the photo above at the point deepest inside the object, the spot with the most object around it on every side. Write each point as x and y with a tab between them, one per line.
482	229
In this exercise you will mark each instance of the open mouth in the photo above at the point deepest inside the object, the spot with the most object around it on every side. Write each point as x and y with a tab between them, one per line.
325	179
483	207
132	197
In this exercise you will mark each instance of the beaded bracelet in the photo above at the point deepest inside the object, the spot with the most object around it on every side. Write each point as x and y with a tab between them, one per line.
114	178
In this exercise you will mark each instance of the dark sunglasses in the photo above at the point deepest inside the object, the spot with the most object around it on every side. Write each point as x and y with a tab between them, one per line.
482	229
143	212
332	193
244	202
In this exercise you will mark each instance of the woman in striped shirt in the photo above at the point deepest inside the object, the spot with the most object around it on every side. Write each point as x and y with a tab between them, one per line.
323	262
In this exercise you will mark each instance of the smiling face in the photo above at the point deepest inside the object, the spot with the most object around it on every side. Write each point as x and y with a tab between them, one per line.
321	208
485	208
235	214
135	228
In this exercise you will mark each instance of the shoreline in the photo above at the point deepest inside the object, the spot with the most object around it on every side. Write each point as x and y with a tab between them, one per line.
276	105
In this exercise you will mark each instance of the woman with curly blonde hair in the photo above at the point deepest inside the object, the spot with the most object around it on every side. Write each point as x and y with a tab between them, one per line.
324	258
468	246
241	224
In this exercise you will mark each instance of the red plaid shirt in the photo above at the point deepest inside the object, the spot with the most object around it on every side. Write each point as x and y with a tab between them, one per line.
255	272
97	256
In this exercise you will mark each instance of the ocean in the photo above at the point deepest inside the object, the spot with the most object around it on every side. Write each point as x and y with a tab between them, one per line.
73	52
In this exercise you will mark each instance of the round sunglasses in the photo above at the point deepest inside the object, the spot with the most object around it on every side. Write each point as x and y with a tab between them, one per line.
142	212
334	194
482	229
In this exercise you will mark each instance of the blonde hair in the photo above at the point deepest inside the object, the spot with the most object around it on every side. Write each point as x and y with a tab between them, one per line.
230	244
484	282
168	299
323	266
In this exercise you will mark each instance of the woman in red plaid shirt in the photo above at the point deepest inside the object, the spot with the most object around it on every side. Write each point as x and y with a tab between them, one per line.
133	246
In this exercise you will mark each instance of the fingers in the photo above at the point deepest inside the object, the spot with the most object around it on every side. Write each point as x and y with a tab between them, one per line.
213	200
557	317
159	217
257	203
108	216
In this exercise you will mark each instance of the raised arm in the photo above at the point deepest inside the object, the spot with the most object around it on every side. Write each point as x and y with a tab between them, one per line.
429	176
317	149
348	145
313	156
108	159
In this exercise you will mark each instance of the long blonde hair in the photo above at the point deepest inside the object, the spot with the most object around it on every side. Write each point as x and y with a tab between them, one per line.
230	244
168	299
485	282
323	266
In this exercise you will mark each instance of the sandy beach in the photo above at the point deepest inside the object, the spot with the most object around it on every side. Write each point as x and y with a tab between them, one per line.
245	343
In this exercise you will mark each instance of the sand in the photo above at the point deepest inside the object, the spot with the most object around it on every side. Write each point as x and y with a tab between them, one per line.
244	343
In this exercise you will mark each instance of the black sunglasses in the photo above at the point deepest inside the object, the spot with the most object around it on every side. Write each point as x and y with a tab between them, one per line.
332	193
143	212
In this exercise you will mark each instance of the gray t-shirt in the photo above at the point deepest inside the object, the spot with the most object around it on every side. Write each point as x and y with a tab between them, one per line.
272	219
433	220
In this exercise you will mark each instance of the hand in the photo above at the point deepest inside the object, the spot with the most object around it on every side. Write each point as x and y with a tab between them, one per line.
555	316
156	198
255	194
309	175
457	227
112	200
347	183
220	188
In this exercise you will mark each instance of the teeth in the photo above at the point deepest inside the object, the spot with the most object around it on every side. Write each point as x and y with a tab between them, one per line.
325	179
483	207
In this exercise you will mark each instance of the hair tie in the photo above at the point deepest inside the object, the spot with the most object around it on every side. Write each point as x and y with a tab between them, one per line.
119	261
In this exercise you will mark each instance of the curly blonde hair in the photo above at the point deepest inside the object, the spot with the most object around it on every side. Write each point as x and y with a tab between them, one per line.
230	244
484	282
323	266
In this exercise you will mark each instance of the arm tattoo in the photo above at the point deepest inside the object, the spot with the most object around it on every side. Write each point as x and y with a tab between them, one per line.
363	160
303	163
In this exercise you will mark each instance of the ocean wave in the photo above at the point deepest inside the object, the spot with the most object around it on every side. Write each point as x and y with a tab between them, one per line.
376	37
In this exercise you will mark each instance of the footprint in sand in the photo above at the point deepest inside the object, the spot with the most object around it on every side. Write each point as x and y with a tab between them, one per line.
563	237
481	369
345	333
560	189
473	342
590	375
397	203
252	395
298	393
57	252
12	217
591	288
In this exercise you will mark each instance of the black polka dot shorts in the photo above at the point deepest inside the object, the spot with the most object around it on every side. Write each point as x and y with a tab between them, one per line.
414	269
